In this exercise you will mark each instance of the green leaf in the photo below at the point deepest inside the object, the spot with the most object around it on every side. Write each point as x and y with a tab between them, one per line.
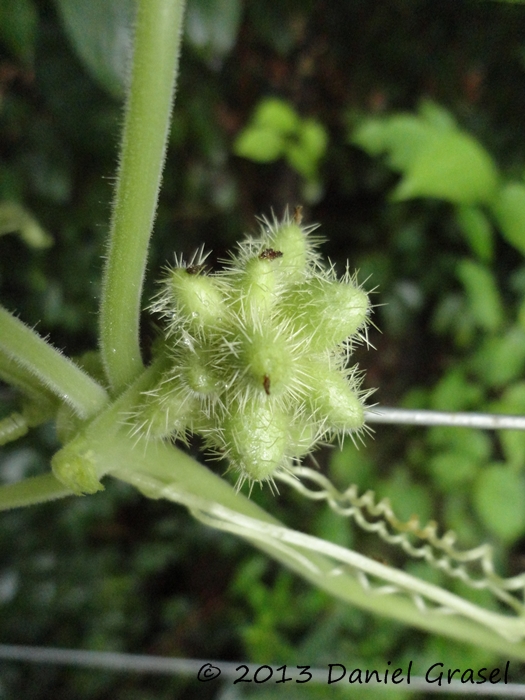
265	137
509	211
482	293
212	27
501	359
313	138
458	515
513	441
450	469
436	115
18	22
499	500
476	444
477	231
259	143
401	136
520	316
451	166
300	160
352	465
370	135
304	153
15	219
407	136
276	130
454	392
408	498
101	34
275	114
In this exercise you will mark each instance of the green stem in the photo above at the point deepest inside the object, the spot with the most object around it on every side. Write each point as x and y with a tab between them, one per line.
12	428
146	130
16	376
47	368
36	489
178	478
161	474
81	463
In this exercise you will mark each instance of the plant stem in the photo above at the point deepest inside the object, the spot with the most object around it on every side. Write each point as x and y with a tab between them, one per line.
82	462
47	368
146	129
36	489
12	427
16	376
179	478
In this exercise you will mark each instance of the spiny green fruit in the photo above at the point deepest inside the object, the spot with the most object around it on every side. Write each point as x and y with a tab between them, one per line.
256	354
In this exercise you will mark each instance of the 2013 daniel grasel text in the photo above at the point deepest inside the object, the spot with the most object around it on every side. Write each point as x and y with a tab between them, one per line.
437	673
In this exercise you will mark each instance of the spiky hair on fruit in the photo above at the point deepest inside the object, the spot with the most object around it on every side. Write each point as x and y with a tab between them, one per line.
255	356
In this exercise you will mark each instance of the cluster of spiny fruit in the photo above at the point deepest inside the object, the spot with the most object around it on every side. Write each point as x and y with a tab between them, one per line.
256	354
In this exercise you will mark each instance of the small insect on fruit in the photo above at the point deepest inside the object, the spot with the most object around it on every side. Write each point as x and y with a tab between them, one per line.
270	254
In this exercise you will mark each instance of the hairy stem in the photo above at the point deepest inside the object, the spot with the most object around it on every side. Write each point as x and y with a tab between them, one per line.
146	128
161	473
36	489
81	463
12	427
46	368
16	376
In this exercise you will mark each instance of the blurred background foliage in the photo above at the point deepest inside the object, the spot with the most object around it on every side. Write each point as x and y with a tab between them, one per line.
399	127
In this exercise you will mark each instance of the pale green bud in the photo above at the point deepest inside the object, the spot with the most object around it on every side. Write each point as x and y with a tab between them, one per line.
328	312
334	398
166	411
258	283
290	240
197	298
256	436
303	437
266	359
197	371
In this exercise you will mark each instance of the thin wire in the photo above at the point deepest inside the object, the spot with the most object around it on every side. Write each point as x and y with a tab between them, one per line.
408	416
231	670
